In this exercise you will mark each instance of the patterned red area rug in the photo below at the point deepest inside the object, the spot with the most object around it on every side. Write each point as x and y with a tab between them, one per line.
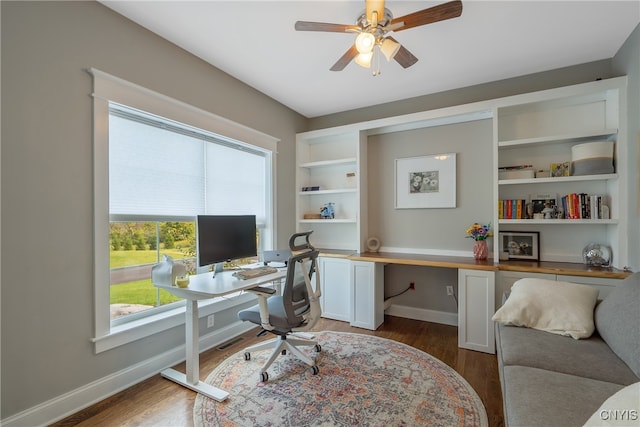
363	380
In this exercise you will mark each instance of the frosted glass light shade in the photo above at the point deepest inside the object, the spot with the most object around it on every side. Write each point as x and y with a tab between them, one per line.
364	59
365	42
389	48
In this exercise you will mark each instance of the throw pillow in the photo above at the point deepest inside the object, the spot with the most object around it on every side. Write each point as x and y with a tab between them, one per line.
621	409
561	308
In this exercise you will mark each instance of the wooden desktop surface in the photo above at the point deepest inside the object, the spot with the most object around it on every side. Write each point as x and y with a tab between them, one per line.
566	268
427	260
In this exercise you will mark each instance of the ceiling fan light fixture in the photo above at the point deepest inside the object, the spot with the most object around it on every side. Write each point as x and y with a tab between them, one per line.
389	48
364	59
365	42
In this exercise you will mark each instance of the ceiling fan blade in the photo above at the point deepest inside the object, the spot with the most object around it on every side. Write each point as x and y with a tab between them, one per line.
345	59
323	26
403	56
374	6
449	10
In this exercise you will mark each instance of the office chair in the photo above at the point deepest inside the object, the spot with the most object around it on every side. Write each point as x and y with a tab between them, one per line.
296	310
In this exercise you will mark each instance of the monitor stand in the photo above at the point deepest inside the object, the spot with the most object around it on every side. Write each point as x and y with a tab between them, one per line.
218	268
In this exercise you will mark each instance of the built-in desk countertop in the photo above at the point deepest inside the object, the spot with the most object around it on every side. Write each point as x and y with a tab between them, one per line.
469	263
566	268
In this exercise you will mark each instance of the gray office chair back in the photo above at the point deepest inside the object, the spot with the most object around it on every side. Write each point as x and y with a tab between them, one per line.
297	299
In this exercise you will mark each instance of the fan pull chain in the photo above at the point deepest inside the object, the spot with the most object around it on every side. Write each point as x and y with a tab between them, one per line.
376	60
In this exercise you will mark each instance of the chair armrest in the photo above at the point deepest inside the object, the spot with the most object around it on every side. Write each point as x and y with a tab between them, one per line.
263	293
262	290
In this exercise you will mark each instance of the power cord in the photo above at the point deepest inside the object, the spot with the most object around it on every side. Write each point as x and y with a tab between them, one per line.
399	293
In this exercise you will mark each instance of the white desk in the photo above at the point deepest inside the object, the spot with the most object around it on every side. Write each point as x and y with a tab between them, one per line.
205	286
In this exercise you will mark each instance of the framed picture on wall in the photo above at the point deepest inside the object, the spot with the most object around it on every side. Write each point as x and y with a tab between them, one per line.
520	244
426	182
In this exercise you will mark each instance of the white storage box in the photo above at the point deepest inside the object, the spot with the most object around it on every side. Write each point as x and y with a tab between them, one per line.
592	158
516	174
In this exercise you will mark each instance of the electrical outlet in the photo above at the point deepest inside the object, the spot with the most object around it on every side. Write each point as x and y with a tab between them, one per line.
210	320
412	286
449	290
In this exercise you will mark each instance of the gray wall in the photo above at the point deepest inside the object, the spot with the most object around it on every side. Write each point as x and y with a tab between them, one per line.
47	217
430	229
437	229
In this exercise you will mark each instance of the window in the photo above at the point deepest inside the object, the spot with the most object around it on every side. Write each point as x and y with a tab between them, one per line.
167	172
159	163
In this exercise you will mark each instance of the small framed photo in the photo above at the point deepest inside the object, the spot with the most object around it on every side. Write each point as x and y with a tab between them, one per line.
540	202
520	244
559	169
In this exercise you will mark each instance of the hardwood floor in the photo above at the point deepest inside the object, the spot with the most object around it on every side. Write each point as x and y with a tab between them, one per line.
160	402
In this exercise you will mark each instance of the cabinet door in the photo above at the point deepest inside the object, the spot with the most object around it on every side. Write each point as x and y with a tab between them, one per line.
335	279
476	290
368	295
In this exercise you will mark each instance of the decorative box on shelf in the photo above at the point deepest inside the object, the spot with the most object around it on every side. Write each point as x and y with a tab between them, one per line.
516	172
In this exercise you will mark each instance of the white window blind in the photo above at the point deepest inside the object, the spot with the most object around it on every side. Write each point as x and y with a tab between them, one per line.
162	168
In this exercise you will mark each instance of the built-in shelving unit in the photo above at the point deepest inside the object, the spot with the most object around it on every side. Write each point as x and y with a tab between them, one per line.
541	128
537	128
332	162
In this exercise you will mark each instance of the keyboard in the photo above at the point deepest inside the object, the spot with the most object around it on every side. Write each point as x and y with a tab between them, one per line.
252	273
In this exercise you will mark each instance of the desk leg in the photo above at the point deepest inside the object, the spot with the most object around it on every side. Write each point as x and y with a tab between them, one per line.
191	379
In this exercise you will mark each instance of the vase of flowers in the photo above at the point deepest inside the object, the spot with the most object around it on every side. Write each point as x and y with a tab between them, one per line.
480	233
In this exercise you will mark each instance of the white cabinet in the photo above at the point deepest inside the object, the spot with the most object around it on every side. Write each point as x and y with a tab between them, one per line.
352	291
506	279
336	283
541	128
331	168
367	294
476	289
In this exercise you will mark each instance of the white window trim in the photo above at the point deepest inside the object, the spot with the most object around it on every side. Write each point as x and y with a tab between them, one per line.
110	88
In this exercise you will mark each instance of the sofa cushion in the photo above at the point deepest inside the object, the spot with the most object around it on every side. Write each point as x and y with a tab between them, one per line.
617	318
621	409
536	397
562	308
589	358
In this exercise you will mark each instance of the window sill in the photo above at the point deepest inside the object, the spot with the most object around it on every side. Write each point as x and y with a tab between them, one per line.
153	324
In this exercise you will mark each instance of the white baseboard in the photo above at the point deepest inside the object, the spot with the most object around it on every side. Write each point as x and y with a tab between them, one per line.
434	316
69	403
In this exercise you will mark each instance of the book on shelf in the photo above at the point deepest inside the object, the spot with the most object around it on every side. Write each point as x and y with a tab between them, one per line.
512	209
584	206
568	206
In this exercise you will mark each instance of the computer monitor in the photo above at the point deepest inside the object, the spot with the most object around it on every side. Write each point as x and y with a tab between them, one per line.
223	238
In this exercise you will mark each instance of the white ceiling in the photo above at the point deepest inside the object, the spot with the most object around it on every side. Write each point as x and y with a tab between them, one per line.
255	42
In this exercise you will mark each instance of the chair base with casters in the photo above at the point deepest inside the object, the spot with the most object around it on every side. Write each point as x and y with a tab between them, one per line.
296	310
281	345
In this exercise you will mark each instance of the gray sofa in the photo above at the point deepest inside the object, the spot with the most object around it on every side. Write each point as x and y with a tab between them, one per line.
553	380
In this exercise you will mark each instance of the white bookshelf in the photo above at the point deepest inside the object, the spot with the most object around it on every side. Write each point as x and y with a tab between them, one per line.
539	129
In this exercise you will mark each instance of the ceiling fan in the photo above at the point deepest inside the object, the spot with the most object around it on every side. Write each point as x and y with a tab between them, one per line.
373	27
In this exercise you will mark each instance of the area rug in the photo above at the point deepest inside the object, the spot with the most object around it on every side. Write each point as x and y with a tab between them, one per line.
363	381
